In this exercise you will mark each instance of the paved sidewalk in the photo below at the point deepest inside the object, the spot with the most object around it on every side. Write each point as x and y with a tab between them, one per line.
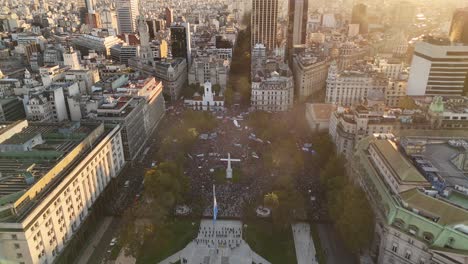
305	249
88	252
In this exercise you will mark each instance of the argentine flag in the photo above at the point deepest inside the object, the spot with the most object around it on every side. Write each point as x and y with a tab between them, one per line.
215	206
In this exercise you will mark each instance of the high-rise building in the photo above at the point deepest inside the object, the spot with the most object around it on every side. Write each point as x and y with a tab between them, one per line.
359	16
146	53
297	25
169	16
80	5
459	27
264	23
89	6
209	69
438	68
108	19
154	26
70	59
127	13
180	41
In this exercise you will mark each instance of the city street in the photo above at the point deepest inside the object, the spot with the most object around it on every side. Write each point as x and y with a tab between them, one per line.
332	246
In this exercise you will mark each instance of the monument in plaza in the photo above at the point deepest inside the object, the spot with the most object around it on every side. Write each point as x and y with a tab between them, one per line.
229	168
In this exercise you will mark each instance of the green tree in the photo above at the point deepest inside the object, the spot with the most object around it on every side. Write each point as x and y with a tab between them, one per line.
228	96
166	184
356	221
270	200
244	87
347	205
333	176
286	156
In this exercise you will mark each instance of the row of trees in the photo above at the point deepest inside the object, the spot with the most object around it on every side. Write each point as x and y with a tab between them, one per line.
179	137
239	74
165	185
348	205
285	202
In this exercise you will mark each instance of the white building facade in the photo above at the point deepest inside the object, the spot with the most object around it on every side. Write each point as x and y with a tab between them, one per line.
275	93
40	234
438	69
347	88
310	75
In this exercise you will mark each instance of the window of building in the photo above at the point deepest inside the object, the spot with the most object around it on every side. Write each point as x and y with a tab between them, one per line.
19	255
15	237
395	247
16	245
408	254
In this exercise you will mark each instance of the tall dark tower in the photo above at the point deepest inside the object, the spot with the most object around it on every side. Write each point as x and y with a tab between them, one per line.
297	25
359	16
180	41
459	27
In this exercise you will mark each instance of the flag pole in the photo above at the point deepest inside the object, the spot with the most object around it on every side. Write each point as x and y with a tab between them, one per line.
215	214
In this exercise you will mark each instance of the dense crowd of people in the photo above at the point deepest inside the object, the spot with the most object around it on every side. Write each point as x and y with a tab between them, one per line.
251	179
223	236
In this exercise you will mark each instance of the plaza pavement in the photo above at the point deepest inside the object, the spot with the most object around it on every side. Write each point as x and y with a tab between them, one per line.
305	249
217	244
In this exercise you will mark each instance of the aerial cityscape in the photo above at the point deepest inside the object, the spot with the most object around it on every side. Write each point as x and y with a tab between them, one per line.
234	132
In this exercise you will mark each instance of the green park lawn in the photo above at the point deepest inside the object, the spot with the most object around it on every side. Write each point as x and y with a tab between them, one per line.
175	236
275	246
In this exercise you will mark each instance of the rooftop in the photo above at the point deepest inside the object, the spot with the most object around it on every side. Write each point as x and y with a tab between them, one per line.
21	170
447	214
440	155
404	170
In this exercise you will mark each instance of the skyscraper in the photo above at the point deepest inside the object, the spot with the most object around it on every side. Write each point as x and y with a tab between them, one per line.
81	7
127	13
459	27
297	27
359	16
180	41
108	19
169	17
90	6
264	23
437	68
146	53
